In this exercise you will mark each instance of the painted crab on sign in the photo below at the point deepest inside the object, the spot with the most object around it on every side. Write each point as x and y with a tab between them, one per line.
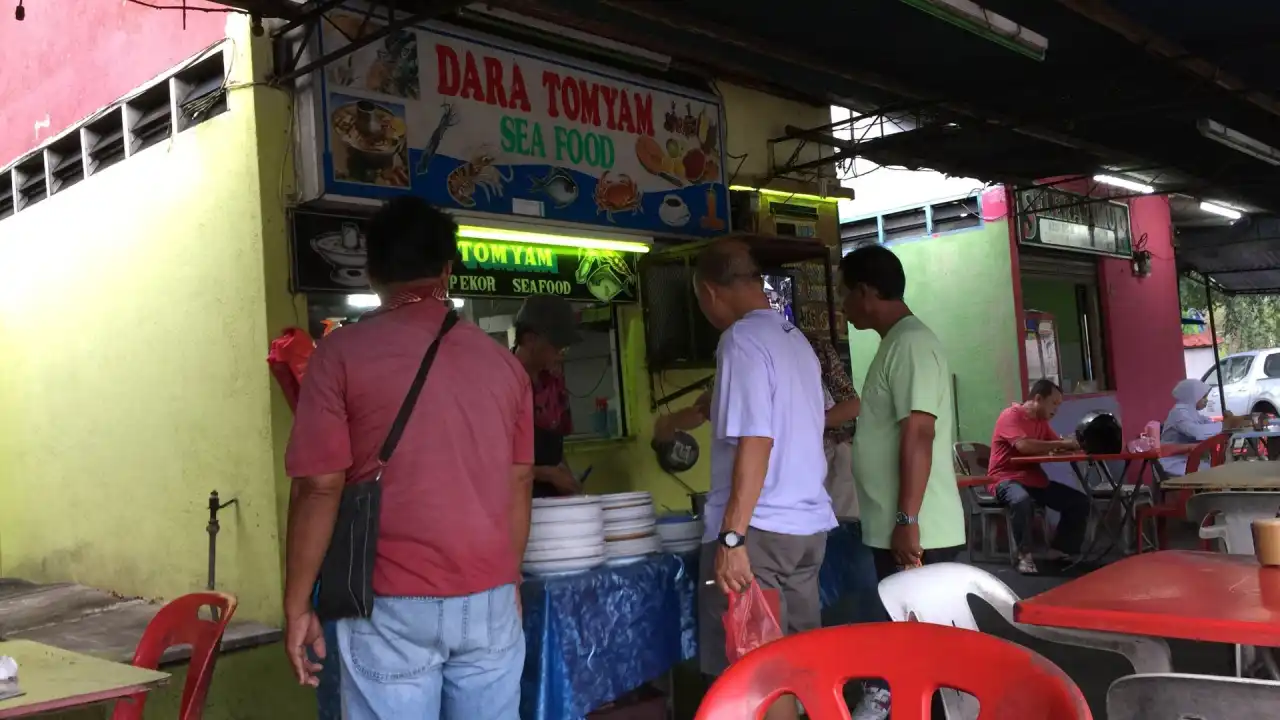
617	195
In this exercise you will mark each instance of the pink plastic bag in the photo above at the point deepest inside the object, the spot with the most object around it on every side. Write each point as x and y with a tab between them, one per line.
751	621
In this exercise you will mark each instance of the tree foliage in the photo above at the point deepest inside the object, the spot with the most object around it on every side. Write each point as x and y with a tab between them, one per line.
1244	322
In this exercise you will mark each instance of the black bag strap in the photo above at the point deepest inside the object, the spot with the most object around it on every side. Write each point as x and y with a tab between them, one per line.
410	400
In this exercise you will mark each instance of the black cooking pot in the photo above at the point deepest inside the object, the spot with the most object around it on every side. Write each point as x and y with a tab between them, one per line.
1099	433
678	454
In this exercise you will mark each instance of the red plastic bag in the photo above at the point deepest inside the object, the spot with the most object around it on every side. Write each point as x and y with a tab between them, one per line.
288	358
751	621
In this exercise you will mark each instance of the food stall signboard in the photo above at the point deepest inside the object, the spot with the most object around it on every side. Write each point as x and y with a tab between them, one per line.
329	256
474	124
1073	222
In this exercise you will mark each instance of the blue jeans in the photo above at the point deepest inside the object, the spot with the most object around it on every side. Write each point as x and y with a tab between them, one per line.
457	658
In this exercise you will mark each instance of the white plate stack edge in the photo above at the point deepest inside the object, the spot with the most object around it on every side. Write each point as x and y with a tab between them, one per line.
566	535
629	527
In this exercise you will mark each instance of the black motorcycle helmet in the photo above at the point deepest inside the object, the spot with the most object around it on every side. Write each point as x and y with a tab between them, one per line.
1099	433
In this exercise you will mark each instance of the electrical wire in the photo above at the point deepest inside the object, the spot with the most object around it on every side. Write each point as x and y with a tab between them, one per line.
186	8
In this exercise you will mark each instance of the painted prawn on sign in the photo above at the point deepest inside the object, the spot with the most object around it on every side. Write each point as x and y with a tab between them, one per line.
517	132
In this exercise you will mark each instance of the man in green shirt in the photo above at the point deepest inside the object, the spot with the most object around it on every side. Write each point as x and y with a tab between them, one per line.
909	501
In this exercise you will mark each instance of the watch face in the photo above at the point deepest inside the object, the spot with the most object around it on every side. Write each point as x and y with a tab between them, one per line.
732	539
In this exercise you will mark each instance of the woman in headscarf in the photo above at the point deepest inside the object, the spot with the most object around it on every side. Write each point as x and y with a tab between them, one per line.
1186	424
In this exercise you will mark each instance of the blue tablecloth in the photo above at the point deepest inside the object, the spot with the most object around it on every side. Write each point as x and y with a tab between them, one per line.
594	636
589	638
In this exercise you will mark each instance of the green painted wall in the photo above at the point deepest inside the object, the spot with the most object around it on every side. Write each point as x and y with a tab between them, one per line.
134	379
960	284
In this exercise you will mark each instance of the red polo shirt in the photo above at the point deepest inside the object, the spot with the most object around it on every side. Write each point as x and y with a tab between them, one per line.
1015	424
446	495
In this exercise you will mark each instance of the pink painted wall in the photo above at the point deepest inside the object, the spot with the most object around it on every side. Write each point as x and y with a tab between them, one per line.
1144	320
69	58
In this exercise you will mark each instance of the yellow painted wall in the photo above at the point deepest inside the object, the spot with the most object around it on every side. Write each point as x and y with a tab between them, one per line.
133	329
752	118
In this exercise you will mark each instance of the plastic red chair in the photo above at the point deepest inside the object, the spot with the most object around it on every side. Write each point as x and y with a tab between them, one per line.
1175	503
179	623
916	659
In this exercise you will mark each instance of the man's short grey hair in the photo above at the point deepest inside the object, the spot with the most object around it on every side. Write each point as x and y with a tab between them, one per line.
725	262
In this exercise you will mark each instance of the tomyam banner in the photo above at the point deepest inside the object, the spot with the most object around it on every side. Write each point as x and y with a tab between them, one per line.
329	256
469	125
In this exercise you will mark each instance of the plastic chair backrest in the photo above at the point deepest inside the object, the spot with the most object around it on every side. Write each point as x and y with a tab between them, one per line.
1202	697
916	659
1215	447
179	623
972	458
1235	513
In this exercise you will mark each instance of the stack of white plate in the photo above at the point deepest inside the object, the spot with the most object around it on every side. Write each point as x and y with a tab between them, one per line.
629	527
680	533
566	536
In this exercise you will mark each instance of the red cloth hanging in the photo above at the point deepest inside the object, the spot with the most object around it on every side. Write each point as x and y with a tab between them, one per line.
287	359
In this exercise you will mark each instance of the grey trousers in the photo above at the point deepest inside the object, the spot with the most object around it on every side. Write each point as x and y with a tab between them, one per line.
787	563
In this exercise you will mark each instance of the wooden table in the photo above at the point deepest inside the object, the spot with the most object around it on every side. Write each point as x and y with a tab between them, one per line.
1209	597
1239	475
55	679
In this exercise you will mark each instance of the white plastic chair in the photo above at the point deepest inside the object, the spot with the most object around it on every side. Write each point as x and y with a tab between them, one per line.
1169	696
940	593
1234	513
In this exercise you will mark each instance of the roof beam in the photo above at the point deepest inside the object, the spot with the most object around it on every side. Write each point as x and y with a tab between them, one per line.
1161	47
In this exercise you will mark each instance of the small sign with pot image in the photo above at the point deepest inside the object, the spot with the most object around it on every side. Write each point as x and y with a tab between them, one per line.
345	251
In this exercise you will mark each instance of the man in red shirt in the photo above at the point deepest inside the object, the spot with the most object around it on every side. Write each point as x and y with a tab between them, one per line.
445	638
1022	430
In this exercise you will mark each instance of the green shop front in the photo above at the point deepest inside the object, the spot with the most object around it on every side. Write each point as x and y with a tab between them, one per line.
561	175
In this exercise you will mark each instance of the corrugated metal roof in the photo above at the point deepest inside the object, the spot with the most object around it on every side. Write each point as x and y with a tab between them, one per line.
1241	258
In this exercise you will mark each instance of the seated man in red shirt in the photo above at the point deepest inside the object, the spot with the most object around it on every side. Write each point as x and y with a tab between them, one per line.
1023	429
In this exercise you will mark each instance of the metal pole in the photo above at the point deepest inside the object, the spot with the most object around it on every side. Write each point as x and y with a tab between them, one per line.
1213	337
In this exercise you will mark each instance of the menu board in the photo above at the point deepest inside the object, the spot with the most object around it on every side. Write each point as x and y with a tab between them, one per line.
475	124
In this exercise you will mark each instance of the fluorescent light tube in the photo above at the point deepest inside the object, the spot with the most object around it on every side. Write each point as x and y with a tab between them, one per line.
1238	141
978	20
363	301
1222	210
1122	183
518	236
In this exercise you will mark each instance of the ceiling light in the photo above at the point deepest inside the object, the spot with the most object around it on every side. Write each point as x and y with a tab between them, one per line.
363	301
1238	141
1122	183
982	22
517	236
784	194
1222	210
458	302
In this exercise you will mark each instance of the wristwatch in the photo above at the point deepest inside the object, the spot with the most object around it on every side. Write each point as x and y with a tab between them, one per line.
905	519
731	539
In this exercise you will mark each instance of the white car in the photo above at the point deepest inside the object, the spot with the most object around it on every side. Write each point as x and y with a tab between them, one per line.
1252	383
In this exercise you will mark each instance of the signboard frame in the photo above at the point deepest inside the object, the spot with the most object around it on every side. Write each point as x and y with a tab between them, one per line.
534	190
327	256
1034	210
